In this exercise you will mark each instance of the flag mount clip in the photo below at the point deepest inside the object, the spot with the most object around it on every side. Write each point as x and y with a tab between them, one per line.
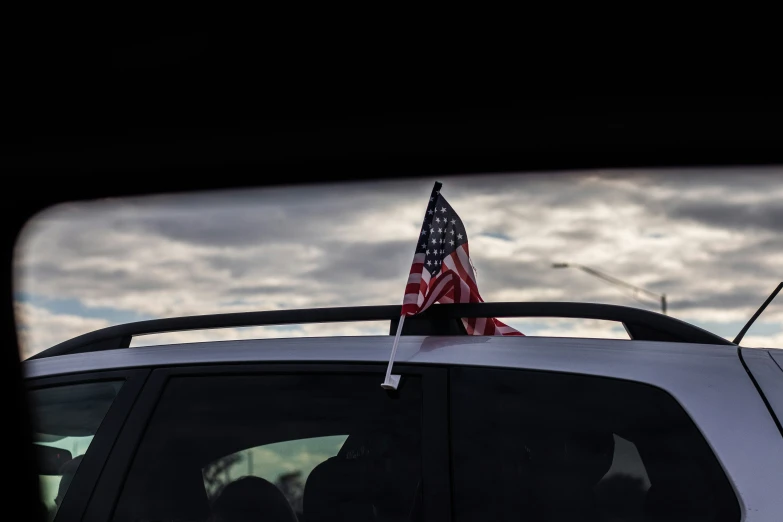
392	381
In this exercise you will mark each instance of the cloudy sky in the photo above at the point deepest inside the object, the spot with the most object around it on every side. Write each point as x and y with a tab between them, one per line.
709	239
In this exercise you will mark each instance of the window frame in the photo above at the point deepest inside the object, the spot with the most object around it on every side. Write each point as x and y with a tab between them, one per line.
435	427
98	453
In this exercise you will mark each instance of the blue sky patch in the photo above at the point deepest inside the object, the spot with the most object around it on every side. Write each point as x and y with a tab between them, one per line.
76	307
496	235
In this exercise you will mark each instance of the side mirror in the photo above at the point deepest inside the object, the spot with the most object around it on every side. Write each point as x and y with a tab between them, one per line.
51	459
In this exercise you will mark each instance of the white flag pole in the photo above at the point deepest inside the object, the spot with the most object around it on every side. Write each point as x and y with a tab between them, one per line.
392	381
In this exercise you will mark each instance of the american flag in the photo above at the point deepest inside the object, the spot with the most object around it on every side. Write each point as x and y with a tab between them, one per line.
442	270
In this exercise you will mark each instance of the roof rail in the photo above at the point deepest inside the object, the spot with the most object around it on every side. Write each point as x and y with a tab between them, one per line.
439	319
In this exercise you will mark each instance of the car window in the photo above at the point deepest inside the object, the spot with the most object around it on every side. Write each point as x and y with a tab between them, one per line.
65	419
286	464
530	445
288	446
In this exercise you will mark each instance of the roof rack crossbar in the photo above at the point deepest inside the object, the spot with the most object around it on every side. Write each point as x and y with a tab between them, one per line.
440	319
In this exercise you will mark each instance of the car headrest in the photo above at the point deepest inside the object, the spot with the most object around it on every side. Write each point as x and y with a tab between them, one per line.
582	458
374	469
68	470
252	498
565	467
336	490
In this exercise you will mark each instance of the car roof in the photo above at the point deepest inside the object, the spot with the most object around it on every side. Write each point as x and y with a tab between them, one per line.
515	352
435	336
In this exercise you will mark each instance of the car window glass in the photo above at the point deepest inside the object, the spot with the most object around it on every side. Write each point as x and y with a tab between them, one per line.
285	464
65	420
531	445
324	447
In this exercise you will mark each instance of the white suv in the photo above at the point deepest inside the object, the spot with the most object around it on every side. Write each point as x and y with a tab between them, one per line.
676	424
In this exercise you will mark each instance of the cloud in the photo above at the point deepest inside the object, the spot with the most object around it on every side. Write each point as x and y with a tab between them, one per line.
39	328
767	215
763	341
709	239
360	263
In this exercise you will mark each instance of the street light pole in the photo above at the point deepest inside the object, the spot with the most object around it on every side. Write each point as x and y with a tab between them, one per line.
593	272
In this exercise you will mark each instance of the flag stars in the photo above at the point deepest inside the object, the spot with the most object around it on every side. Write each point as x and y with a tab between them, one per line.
446	232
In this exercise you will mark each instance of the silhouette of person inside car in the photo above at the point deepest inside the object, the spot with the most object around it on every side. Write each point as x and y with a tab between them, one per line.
251	498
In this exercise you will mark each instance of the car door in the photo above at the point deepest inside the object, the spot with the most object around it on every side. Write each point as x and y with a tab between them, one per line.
76	420
606	435
315	442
